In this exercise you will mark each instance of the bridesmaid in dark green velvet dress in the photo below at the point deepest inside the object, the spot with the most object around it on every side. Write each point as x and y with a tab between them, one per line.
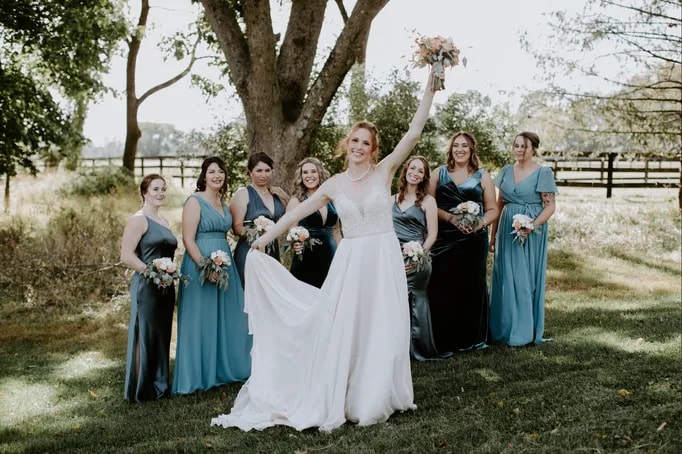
147	236
311	265
415	218
458	291
252	201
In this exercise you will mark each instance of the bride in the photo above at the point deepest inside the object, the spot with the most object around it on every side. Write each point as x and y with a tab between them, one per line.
341	352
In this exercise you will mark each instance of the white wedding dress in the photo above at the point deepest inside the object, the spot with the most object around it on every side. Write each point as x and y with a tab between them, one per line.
342	352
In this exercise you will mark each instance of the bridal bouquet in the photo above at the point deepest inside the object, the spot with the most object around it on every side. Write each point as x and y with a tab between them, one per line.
414	254
163	273
467	213
299	234
438	52
520	222
216	263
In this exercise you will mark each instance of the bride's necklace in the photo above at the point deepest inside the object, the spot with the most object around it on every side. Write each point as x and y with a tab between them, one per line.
361	176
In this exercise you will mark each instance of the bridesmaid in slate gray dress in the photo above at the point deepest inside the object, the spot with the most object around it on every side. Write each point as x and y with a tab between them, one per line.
253	201
147	236
313	264
415	218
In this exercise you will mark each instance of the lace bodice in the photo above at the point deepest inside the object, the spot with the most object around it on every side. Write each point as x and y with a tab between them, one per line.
368	216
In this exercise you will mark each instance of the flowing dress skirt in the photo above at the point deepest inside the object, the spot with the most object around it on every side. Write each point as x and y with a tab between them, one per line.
324	356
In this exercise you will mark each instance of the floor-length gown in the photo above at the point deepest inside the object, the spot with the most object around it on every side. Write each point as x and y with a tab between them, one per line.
255	208
342	352
151	322
315	262
410	225
458	290
517	303
213	344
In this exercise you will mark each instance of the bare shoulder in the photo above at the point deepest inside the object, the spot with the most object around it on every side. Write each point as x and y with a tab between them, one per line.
137	222
429	202
241	195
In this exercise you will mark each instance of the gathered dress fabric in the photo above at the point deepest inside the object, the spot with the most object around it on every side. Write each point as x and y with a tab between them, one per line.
213	343
458	290
342	352
255	208
410	225
151	322
517	302
314	263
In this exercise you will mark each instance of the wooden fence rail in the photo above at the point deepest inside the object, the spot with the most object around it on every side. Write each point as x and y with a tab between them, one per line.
604	170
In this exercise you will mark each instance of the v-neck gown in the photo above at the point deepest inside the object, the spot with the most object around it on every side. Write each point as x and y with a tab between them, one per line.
151	321
213	343
458	290
517	303
314	263
342	352
255	208
410	225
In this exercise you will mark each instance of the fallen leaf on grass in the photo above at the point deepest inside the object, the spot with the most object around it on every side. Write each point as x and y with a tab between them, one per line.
639	340
93	394
554	431
624	393
661	427
517	411
208	445
532	437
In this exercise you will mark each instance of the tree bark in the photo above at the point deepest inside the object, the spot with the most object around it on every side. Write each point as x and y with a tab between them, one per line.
284	101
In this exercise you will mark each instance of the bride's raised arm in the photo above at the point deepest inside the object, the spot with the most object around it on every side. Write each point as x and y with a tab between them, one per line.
391	162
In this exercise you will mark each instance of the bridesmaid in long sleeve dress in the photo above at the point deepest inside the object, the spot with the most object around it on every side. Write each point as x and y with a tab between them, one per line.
147	236
311	265
517	304
415	218
252	201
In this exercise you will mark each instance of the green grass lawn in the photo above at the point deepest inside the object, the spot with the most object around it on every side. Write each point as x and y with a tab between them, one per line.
610	381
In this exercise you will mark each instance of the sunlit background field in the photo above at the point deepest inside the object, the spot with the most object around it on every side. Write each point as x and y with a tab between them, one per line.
610	381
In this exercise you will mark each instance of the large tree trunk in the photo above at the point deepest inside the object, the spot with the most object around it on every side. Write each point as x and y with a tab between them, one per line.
284	102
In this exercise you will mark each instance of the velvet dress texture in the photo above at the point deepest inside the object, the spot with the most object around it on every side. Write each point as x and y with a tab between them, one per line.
410	225
213	343
517	303
342	352
458	290
314	263
151	321
255	208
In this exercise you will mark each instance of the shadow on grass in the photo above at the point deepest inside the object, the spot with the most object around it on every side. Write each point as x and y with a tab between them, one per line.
637	259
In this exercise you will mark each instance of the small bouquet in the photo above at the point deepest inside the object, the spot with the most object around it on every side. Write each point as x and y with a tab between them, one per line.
414	254
438	52
254	229
467	213
163	273
520	222
216	263
301	235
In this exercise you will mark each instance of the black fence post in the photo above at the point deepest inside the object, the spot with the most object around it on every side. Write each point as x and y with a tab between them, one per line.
609	175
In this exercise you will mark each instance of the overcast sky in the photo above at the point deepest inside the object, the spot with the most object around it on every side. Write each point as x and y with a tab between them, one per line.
487	32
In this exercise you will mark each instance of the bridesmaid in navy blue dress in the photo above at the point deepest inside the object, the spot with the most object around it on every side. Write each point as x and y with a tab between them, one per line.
253	201
147	236
458	291
312	265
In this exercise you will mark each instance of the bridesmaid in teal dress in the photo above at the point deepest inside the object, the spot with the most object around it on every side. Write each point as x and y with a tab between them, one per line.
517	304
213	345
147	236
415	218
311	265
458	291
253	201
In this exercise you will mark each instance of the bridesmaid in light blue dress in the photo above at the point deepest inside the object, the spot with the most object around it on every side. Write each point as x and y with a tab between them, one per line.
147	237
213	345
517	306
